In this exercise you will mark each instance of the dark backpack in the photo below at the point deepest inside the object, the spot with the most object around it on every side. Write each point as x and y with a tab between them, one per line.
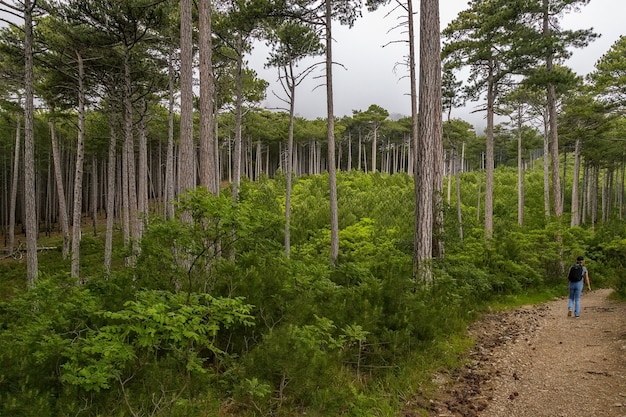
575	273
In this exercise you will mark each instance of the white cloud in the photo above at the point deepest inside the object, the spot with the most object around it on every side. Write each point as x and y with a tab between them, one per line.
371	54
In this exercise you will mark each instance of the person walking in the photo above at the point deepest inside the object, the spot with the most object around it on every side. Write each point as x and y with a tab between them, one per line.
577	277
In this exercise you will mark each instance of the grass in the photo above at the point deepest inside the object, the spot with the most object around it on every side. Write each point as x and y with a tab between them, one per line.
531	297
51	262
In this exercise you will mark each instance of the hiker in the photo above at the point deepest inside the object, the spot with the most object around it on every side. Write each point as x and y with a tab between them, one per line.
578	275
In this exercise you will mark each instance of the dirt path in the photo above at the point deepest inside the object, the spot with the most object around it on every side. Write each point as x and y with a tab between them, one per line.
537	362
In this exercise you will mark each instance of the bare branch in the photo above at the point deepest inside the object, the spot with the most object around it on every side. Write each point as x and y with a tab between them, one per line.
10	8
11	23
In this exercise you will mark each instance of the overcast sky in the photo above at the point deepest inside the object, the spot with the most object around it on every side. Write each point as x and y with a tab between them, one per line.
370	57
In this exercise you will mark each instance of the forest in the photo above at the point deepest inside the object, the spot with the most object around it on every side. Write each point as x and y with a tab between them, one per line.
172	249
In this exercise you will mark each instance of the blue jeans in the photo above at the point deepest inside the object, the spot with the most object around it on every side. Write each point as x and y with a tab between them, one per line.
575	289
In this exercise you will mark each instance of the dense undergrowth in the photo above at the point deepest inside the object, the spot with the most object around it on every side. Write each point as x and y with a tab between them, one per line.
211	323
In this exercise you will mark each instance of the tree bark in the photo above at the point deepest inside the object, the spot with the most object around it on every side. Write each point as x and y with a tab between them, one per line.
110	210
450	173
423	227
30	206
169	158
330	134
142	173
430	17
552	119
291	86
546	166
349	152
186	162
575	186
520	170
93	201
129	162
429	178
459	215
374	149
583	193
14	183
78	175
207	166
360	150
489	158
620	198
237	155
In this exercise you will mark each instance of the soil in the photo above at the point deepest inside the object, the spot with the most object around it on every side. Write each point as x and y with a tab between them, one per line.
535	361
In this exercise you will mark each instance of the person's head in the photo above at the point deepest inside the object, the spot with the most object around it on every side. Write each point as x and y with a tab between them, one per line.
580	260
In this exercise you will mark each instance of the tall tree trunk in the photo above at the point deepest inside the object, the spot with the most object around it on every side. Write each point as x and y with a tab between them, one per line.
207	166
429	172
607	175
575	181
58	177
267	161
595	186
620	198
30	207
142	173
291	85
186	160
330	134
78	176
546	166
258	162
319	160
160	184
219	174
430	18
14	182
296	160
94	195
611	193
49	213
110	210
520	170
489	168
450	173
422	236
364	160
349	152
480	184
459	215
360	150
169	158
339	155
552	118
129	161
374	150
237	156
230	160
4	201
563	179
585	195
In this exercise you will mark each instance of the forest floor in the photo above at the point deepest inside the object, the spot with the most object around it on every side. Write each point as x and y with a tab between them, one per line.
535	361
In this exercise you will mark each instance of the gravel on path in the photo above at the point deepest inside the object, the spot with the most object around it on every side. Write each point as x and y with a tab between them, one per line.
535	361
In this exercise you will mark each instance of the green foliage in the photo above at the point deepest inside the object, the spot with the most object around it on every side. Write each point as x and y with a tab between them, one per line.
191	331
37	327
156	326
58	345
608	77
606	257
